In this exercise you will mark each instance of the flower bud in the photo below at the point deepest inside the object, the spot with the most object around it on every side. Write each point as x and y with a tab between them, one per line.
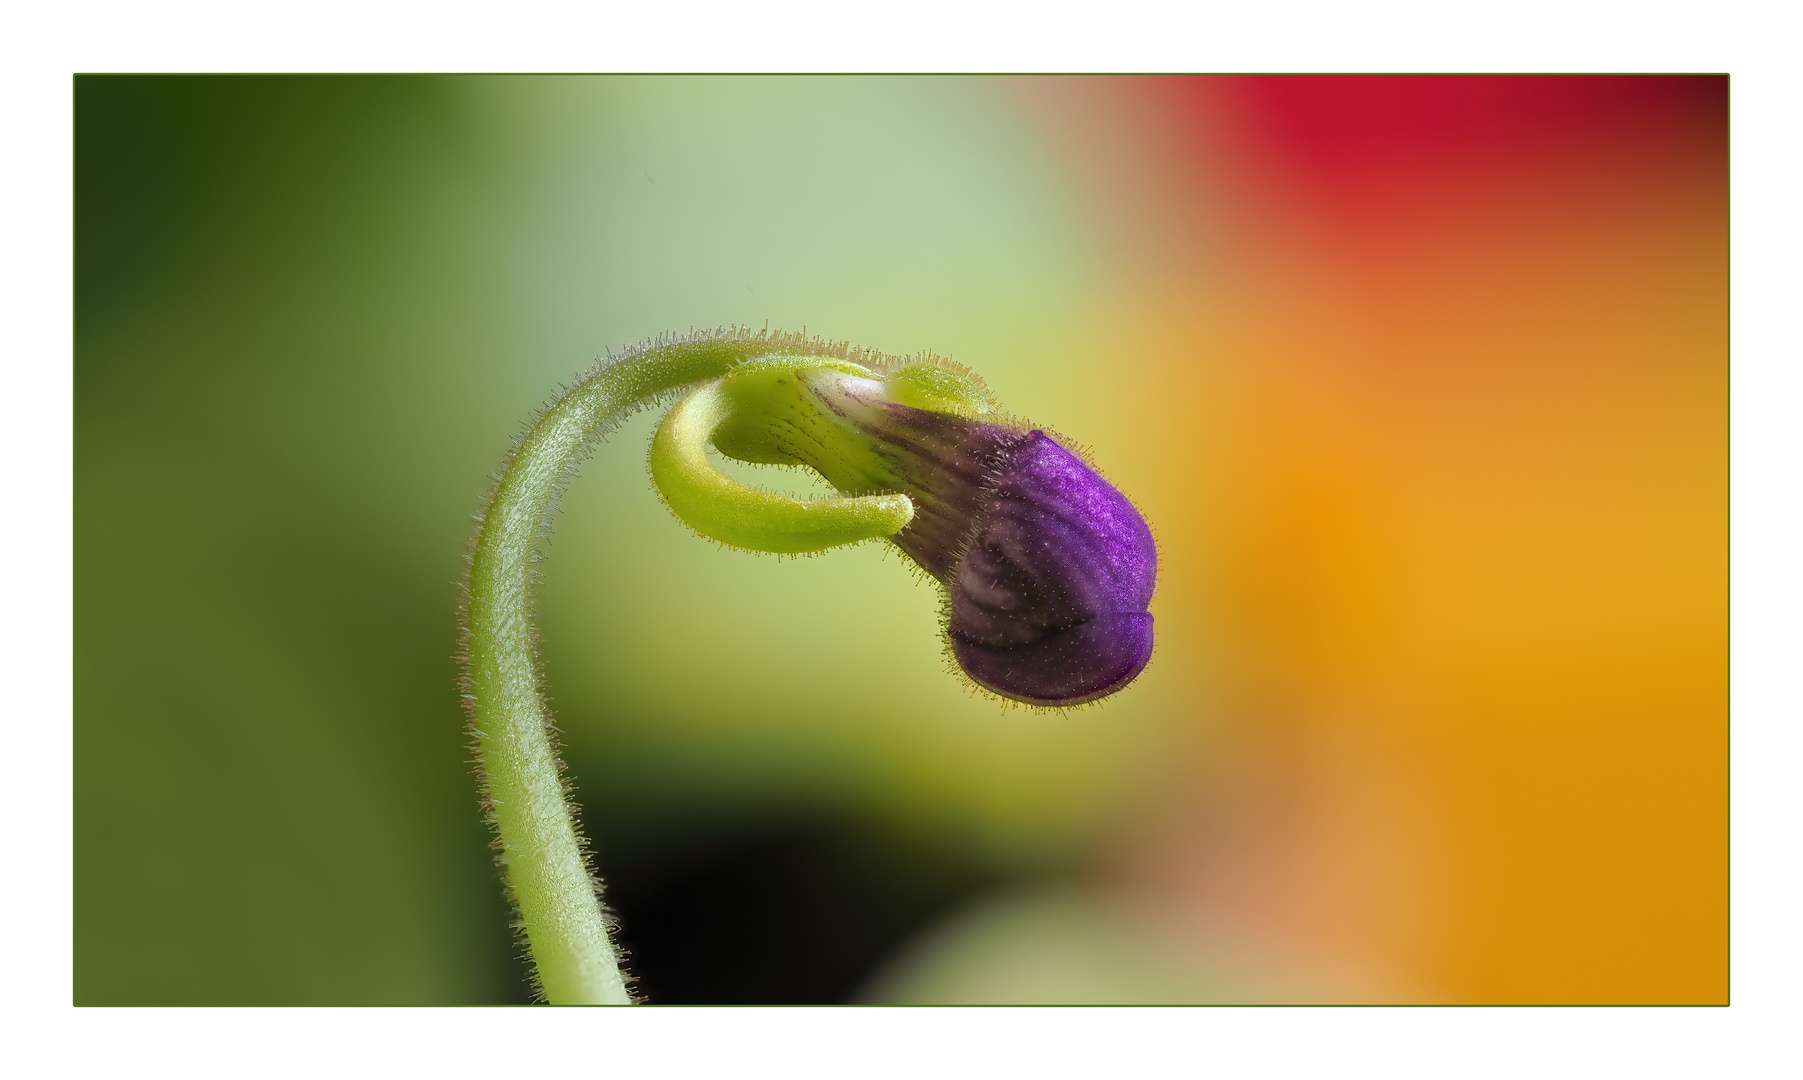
1047	567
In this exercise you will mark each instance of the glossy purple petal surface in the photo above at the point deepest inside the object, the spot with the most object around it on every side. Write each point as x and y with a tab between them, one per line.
1048	603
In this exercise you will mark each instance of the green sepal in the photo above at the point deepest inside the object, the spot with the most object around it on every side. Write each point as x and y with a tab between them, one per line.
720	507
939	387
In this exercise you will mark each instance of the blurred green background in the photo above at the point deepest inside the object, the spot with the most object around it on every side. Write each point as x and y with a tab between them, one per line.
311	312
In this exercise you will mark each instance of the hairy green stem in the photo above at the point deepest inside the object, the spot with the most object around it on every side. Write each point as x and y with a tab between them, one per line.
541	852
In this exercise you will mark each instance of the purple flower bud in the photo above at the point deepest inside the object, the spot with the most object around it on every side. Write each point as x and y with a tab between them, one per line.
1048	604
1048	568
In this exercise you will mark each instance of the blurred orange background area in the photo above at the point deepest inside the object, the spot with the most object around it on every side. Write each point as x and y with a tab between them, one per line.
1455	527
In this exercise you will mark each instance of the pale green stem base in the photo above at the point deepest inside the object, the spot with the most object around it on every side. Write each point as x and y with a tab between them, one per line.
541	855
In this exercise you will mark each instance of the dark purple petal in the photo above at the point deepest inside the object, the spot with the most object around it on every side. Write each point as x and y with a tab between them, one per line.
1090	660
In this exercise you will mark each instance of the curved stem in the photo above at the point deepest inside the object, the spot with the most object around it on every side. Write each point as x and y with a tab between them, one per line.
541	854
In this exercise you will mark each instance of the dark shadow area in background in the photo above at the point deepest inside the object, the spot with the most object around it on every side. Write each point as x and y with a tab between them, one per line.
791	907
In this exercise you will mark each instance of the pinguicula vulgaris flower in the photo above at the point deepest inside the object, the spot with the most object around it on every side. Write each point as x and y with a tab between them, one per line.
1045	569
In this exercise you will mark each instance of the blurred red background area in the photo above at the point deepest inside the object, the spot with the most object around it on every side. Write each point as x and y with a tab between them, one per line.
1458	523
